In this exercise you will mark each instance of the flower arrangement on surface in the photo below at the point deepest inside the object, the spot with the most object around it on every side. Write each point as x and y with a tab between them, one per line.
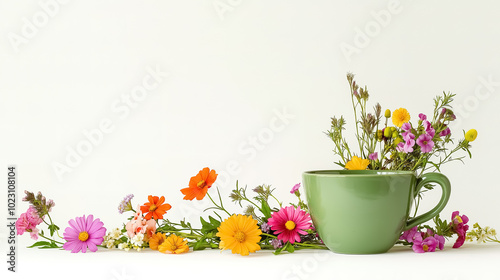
264	222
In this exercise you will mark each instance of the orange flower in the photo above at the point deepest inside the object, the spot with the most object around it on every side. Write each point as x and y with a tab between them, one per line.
156	240
199	184
155	207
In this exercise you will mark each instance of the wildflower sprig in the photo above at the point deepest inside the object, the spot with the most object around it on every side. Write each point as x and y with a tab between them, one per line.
419	145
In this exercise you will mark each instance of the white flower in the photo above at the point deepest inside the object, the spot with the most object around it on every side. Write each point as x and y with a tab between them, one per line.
115	234
122	246
110	244
137	239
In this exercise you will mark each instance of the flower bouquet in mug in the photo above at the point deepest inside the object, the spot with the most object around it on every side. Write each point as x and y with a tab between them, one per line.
394	141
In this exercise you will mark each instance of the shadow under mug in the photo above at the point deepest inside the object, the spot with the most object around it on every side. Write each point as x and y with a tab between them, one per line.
365	211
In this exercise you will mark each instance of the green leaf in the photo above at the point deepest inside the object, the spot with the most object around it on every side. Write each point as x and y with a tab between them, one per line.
266	210
53	228
290	248
40	243
214	222
201	244
278	251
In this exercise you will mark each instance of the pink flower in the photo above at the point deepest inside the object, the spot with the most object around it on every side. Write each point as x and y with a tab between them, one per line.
440	239
410	142
459	226
425	142
406	127
27	222
373	156
422	117
427	245
140	225
445	132
289	222
429	129
295	188
84	233
410	234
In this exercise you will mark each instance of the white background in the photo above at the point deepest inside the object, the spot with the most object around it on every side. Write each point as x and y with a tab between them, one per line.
235	69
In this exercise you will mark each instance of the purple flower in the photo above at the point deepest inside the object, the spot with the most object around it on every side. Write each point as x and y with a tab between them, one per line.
427	245
295	188
265	227
425	142
373	156
406	127
422	117
125	204
445	132
276	243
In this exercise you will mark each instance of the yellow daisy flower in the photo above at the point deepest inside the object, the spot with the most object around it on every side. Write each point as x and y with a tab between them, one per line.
240	234
357	163
471	135
174	245
156	240
400	116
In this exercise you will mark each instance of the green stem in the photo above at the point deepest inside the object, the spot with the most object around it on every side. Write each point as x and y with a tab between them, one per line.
217	206
50	239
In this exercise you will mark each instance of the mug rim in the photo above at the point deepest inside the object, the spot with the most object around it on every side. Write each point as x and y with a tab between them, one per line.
357	173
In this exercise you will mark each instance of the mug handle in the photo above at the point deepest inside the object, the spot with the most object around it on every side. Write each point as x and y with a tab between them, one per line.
439	179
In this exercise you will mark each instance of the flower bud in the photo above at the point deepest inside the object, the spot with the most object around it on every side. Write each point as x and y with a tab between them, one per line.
380	135
387	113
395	134
387	132
471	135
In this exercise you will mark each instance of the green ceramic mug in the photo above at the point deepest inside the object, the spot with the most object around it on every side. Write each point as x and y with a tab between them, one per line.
365	211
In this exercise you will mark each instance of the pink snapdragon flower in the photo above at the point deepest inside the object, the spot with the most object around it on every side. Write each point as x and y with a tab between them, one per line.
425	142
429	129
409	235
406	127
409	142
140	225
295	188
373	156
422	117
28	222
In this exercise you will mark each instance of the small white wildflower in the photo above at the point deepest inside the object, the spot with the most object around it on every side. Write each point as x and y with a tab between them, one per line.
115	234
122	246
110	244
137	239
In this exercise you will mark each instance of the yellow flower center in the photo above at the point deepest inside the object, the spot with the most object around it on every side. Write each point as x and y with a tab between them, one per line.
83	236
201	184
290	225
152	208
239	236
425	247
459	219
173	247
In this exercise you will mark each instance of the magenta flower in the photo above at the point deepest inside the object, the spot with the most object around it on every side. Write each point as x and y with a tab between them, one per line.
425	142
410	234
373	156
445	132
460	227
422	117
427	245
429	129
295	188
440	239
84	233
289	222
406	127
27	222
